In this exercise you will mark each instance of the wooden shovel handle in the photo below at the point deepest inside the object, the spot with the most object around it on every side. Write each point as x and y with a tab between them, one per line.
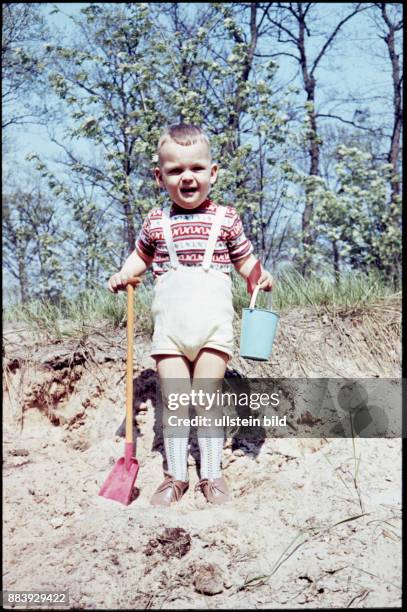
134	281
129	370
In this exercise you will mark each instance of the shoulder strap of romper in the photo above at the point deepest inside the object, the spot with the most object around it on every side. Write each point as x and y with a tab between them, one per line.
168	236
213	236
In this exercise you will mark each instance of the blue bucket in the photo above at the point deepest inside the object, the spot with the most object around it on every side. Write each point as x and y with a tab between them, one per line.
259	327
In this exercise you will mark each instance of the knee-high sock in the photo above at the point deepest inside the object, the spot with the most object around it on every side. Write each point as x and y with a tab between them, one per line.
211	453
176	452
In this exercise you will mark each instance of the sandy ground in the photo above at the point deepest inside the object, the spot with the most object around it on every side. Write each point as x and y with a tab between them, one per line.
301	530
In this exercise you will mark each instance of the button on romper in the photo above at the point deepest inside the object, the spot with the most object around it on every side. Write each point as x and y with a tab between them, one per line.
192	305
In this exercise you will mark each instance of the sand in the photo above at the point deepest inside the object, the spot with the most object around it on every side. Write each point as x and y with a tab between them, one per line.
313	522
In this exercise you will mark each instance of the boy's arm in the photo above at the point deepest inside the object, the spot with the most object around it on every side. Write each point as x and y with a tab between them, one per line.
245	265
133	266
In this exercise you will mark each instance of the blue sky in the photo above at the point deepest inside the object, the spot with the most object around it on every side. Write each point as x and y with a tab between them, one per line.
350	68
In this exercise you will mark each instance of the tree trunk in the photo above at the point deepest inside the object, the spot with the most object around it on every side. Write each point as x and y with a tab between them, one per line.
313	150
23	280
127	209
240	105
299	11
393	271
393	155
335	254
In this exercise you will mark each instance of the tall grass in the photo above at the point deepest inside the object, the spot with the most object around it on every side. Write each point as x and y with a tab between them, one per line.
98	307
352	289
90	309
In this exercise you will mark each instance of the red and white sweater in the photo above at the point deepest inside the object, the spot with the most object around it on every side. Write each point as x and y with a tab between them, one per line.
190	232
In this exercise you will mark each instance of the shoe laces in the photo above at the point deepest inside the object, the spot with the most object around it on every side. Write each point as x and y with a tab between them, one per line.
209	483
170	482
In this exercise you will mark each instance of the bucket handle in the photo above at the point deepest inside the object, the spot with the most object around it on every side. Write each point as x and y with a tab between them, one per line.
254	298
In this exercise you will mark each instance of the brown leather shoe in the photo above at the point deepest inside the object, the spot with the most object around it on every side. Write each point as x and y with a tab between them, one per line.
215	490
170	490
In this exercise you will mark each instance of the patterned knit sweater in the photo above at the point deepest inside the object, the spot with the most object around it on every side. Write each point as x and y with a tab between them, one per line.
190	232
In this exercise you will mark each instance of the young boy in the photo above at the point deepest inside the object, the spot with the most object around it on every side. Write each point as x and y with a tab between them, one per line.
191	245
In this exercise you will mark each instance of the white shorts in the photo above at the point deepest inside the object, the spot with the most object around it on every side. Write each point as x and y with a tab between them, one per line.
192	309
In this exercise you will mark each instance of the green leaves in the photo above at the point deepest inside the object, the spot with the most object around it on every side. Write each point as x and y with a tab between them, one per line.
132	68
357	215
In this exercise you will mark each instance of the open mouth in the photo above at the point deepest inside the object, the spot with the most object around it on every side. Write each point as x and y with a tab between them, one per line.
188	190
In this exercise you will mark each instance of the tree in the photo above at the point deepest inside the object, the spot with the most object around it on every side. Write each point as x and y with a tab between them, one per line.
130	69
355	216
390	23
106	79
22	60
32	239
217	81
296	24
124	83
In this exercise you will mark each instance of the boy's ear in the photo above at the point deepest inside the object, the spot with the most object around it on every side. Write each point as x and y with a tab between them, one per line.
214	173
158	177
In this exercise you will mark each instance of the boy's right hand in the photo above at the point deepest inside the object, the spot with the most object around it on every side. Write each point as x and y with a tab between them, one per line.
119	282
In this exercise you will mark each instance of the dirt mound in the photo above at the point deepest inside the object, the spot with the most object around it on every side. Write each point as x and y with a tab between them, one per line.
313	522
334	342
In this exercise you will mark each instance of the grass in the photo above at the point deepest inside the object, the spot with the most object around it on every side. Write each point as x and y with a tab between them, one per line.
89	309
305	536
291	289
354	289
96	307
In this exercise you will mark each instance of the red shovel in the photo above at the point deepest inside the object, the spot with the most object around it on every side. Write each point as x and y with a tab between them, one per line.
253	277
120	482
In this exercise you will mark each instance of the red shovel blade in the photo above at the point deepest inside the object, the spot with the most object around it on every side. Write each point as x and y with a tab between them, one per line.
253	277
118	486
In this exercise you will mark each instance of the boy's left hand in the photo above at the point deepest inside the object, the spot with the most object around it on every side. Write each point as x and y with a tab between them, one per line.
265	281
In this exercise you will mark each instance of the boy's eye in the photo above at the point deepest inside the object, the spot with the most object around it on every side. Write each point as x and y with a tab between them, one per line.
179	170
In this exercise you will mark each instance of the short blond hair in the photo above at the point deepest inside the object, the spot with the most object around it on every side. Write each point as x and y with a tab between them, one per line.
184	134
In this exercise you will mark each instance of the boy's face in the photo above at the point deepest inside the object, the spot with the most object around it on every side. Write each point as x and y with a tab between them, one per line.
186	172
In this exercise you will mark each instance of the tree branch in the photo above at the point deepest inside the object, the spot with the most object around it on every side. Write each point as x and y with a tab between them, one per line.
334	33
360	127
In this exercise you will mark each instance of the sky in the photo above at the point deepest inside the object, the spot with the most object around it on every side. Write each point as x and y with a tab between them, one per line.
350	68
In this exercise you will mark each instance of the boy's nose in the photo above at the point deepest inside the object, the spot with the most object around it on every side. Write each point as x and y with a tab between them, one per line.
187	176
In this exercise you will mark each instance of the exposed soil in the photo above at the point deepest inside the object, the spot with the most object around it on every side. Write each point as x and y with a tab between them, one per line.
308	526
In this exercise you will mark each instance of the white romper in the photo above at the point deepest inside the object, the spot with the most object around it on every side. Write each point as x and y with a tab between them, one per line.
192	305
